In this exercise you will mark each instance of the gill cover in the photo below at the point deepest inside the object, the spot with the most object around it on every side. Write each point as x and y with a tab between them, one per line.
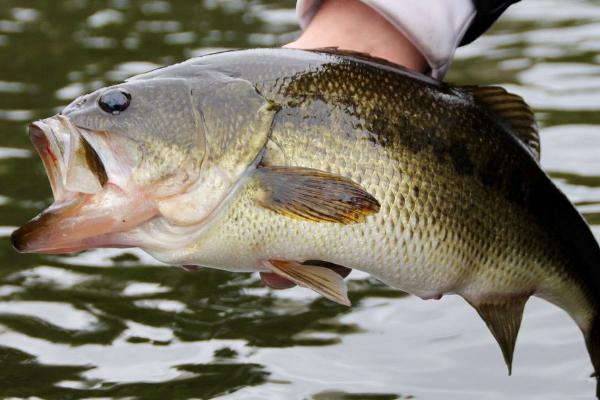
237	121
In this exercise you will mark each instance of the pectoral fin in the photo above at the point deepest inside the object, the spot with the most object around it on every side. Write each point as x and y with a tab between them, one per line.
322	280
314	195
503	318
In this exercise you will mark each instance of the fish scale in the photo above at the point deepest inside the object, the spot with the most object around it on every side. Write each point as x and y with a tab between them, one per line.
300	162
485	242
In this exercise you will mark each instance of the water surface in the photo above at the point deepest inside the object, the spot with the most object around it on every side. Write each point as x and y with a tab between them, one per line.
115	324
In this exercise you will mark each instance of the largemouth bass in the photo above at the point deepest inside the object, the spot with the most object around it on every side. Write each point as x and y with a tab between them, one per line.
305	163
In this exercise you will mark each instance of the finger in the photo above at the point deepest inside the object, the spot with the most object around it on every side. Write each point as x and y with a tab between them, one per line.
275	281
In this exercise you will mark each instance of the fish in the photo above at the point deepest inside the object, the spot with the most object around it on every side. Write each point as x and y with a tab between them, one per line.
303	165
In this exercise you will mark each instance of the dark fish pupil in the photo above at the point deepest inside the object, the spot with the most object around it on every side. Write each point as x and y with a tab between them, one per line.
114	101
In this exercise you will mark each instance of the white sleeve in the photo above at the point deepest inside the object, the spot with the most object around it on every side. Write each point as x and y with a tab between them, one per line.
435	27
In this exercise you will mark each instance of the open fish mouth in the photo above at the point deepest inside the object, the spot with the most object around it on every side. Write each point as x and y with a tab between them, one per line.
88	208
72	165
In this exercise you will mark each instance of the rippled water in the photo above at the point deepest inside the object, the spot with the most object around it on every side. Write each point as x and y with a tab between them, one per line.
115	324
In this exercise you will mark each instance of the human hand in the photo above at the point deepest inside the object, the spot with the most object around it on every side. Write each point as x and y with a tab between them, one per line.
352	25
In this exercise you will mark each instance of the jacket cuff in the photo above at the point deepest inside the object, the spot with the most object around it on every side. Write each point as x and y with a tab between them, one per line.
434	27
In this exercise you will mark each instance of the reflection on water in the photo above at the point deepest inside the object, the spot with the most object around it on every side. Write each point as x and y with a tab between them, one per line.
115	324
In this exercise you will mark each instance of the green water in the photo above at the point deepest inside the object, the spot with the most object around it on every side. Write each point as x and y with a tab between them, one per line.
115	324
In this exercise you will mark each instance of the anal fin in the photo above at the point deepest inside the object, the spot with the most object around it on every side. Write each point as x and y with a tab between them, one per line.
503	318
324	281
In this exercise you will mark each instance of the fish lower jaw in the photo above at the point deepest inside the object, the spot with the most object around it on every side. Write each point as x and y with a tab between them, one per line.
84	222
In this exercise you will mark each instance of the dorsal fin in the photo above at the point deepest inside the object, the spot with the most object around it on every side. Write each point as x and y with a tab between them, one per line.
503	318
376	62
336	51
512	109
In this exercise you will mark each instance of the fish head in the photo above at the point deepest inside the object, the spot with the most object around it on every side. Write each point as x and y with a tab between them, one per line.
109	156
129	162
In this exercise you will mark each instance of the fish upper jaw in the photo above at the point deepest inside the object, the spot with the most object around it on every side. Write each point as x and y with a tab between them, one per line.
50	139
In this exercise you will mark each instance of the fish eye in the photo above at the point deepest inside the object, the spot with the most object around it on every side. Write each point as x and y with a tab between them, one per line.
114	101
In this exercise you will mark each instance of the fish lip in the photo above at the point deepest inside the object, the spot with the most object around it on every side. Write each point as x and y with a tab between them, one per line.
22	238
44	139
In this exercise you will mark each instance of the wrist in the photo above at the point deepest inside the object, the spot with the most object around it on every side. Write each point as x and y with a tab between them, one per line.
352	25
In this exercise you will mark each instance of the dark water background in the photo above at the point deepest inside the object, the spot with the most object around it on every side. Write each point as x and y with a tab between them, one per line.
116	325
